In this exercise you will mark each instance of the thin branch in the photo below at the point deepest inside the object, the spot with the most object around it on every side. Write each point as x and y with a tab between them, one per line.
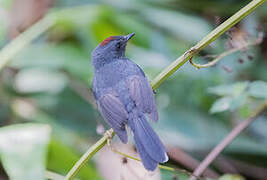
226	141
24	39
206	41
189	162
224	166
172	68
33	32
239	167
226	53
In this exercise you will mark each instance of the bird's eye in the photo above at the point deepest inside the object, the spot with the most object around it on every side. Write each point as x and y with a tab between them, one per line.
118	45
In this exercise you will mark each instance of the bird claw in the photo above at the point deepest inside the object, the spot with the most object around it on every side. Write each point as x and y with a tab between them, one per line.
109	135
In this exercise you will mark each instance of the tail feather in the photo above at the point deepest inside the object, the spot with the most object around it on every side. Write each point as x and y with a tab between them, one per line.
149	146
149	163
150	140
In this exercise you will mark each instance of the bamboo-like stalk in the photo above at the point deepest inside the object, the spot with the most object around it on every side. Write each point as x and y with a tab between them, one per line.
89	153
226	25
24	39
33	32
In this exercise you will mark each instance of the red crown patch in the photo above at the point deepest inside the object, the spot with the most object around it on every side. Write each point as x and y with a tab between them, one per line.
106	41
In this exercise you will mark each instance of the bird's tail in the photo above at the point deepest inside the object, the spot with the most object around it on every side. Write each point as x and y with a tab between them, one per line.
148	144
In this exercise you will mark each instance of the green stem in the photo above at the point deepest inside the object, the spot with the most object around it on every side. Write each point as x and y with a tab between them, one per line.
206	41
24	39
88	154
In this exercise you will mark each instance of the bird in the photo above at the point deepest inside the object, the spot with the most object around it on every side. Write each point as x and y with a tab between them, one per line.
125	99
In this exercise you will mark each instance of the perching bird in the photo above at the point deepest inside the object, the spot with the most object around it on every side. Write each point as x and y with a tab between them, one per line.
124	97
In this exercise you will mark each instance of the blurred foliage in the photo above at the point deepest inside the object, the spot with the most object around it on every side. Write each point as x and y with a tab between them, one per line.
236	95
23	150
62	162
39	84
231	177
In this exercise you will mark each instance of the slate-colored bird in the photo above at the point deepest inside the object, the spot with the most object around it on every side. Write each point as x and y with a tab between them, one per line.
125	98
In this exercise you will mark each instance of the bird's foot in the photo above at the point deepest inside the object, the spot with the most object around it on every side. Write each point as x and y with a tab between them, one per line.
109	135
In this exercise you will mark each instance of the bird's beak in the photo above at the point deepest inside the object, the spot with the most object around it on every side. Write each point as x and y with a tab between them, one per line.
129	36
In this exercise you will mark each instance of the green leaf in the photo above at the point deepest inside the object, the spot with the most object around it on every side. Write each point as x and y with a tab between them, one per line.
228	103
23	149
238	101
61	159
229	90
258	89
221	105
231	177
245	111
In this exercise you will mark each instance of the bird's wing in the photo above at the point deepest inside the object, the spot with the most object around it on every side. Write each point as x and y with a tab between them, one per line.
94	87
114	113
143	96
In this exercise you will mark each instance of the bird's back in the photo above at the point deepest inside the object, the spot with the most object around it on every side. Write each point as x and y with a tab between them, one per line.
114	76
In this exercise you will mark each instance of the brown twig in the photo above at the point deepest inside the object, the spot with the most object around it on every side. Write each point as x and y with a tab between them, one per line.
24	13
227	53
225	166
240	167
226	141
188	161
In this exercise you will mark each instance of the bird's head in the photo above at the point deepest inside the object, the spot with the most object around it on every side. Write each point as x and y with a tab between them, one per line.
111	48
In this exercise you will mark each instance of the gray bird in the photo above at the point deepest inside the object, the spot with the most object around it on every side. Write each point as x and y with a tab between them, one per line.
125	97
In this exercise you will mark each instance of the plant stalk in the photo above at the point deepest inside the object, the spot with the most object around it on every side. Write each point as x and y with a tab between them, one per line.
226	25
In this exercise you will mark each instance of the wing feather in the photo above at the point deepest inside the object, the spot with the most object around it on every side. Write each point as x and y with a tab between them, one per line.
143	96
114	113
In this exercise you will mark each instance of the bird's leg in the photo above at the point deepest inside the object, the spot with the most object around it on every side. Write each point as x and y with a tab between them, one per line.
109	136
